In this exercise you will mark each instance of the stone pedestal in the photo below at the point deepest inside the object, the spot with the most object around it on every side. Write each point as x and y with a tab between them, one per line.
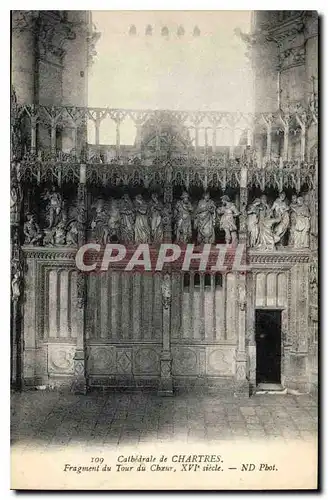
79	385
241	382
165	384
252	367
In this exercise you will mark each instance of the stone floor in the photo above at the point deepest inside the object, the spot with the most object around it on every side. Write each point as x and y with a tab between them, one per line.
55	419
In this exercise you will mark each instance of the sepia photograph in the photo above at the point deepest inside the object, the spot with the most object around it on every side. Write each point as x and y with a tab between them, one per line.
164	249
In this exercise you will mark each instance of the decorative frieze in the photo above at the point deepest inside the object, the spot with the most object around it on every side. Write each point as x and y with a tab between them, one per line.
282	258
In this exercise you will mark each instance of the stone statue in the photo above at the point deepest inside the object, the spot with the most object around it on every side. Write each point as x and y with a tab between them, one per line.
293	204
32	231
16	135
99	223
265	239
141	224
127	219
156	220
302	224
280	211
205	220
16	282
15	200
253	213
114	219
72	235
182	215
228	213
59	233
54	208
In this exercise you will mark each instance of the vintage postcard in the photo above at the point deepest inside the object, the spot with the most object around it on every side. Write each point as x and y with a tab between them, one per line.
164	250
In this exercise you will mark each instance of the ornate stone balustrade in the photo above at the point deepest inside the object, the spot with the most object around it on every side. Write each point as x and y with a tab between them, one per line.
169	131
50	143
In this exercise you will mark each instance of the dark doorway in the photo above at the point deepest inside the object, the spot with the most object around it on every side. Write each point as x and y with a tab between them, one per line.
268	346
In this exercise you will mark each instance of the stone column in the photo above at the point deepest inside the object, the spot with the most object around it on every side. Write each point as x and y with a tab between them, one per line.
80	381
241	382
250	330
243	200
242	385
165	383
16	347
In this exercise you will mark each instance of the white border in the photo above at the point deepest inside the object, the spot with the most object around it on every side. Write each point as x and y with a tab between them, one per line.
322	8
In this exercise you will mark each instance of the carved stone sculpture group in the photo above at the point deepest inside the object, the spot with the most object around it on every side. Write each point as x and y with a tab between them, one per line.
59	230
140	221
267	225
204	219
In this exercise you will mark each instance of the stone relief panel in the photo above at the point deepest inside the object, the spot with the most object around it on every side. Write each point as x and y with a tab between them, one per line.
102	360
119	360
185	361
147	360
221	361
124	361
61	359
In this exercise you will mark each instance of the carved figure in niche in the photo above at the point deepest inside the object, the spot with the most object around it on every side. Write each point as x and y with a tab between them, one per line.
16	281
205	220
265	205
313	277
228	212
253	214
182	215
72	235
293	204
16	136
127	219
266	239
280	211
99	223
114	219
32	231
156	220
302	224
59	233
54	208
141	225
15	200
